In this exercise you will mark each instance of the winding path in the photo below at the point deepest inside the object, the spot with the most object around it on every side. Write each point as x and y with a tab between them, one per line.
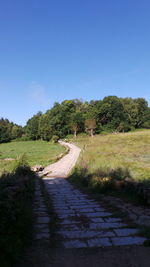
62	167
83	222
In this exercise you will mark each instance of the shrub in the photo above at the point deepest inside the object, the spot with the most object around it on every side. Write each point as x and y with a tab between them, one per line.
55	138
16	197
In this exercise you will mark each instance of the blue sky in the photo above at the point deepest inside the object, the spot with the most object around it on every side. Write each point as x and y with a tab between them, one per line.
64	49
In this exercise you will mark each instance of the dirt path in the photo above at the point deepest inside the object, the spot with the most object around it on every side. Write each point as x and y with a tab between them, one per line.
62	167
88	233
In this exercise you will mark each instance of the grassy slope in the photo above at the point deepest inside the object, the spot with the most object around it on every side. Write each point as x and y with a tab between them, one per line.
131	150
37	152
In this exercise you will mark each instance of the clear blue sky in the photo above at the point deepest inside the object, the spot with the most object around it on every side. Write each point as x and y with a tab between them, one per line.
64	49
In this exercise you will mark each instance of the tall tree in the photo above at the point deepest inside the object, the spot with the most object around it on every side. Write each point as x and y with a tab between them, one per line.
90	125
32	127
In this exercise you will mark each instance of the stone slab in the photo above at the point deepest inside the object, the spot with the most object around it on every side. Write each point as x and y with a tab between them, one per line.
43	219
112	219
130	240
86	234
106	225
98	214
74	244
41	236
126	231
99	242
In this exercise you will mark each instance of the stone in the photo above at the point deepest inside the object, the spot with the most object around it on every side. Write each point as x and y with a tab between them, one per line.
85	234
111	219
74	244
130	240
99	242
97	220
41	236
37	168
106	225
43	219
126	231
98	214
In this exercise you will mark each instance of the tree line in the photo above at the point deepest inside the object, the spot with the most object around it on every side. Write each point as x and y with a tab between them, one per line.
112	114
75	116
9	131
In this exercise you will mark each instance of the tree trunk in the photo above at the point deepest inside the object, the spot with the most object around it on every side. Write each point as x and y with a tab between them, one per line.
91	132
75	134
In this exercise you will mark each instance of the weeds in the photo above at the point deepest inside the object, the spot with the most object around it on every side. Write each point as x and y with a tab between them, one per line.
16	196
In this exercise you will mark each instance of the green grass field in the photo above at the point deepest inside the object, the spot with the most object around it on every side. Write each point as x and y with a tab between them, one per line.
36	152
124	150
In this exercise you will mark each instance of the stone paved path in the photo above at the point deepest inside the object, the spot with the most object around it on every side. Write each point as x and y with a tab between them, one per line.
84	222
41	224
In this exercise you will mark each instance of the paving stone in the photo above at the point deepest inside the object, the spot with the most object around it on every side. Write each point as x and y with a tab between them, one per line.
86	234
65	216
41	226
42	236
97	220
74	244
106	225
67	221
111	219
130	240
99	209
98	214
65	212
86	210
78	206
43	219
99	242
126	231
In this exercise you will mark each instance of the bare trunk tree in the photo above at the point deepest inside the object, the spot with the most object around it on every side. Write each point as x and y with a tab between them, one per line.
75	134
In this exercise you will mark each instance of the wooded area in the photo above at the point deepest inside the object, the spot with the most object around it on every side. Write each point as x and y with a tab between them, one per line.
112	114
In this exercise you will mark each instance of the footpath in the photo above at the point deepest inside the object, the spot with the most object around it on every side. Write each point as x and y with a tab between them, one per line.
82	224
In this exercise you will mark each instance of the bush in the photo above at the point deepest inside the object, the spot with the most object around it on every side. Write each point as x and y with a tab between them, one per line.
55	138
23	138
102	180
16	197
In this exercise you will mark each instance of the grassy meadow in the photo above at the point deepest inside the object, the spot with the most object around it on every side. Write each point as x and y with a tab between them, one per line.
36	152
130	151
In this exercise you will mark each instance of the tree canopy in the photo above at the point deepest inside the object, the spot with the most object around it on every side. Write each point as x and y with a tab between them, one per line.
112	114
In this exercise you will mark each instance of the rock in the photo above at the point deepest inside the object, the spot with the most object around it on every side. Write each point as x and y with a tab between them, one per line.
37	168
9	159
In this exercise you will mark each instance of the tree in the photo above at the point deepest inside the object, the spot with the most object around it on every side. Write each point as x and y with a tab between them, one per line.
45	129
90	125
76	122
111	112
32	127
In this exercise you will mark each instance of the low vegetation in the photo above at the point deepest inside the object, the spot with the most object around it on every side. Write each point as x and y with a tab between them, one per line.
16	198
108	162
35	152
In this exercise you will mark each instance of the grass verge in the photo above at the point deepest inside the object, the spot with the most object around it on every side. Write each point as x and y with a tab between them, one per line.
115	164
36	152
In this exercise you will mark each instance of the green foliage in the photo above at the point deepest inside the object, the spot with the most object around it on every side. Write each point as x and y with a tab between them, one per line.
55	138
90	125
102	180
32	127
112	114
9	131
16	197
